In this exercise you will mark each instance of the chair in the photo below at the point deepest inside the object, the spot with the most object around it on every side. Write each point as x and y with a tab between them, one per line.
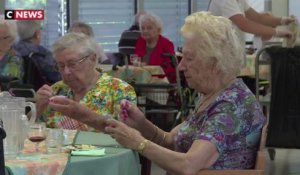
2	137
284	98
116	59
33	75
127	41
260	163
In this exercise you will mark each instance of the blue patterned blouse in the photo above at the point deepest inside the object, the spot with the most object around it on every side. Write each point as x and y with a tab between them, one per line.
233	122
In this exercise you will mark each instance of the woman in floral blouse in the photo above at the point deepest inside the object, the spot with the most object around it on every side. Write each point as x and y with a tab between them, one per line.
11	64
224	131
75	55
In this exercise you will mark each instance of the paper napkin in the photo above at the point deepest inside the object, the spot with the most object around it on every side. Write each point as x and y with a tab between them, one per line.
91	152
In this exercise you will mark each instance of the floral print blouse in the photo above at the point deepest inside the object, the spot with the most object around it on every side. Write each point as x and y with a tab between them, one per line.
104	99
11	65
233	122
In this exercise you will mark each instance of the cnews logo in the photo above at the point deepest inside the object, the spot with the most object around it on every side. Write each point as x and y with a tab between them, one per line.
24	14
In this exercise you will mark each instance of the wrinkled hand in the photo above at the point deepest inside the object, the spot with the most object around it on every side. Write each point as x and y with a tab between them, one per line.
288	19
131	114
42	97
123	134
65	105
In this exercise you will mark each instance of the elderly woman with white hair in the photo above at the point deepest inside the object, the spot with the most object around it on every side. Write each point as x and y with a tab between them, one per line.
151	45
225	128
75	56
11	64
30	36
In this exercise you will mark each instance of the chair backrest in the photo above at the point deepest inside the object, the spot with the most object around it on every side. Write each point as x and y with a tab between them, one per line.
260	163
284	119
128	41
32	73
2	137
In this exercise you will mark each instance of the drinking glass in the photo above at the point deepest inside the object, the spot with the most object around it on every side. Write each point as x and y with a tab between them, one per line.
135	60
37	133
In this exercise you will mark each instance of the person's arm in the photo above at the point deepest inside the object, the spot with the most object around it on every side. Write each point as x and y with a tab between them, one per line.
42	99
249	26
201	155
263	18
77	111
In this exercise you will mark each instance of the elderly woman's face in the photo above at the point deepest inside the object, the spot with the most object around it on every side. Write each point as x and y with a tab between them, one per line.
76	70
149	30
6	40
196	71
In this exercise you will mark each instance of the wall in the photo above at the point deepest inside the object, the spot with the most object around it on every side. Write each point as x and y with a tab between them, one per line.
280	7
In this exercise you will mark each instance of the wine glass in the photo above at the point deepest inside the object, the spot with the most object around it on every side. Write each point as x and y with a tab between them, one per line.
133	58
37	133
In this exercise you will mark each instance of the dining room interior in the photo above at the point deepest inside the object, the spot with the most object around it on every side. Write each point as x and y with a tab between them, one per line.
132	50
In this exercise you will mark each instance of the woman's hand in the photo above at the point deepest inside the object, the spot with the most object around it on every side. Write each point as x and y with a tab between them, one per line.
42	98
65	105
123	134
131	114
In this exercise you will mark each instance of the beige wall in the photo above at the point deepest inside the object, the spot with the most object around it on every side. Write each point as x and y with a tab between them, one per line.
280	7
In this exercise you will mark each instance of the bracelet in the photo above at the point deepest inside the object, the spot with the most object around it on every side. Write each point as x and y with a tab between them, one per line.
141	147
163	139
155	134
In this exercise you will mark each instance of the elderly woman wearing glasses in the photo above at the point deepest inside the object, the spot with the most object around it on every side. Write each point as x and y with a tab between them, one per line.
75	55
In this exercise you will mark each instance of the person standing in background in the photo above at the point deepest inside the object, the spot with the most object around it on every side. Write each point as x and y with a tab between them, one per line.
246	19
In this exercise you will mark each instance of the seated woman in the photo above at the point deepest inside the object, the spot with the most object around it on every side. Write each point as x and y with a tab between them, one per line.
29	45
224	130
76	59
11	64
151	45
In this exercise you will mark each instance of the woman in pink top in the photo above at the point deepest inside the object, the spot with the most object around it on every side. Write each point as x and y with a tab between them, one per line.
151	45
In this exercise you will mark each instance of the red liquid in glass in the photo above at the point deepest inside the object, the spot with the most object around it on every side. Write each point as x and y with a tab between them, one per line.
37	138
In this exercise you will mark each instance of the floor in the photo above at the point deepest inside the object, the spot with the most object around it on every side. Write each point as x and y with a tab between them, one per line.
286	162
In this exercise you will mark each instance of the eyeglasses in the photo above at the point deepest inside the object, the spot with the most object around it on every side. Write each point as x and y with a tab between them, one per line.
73	65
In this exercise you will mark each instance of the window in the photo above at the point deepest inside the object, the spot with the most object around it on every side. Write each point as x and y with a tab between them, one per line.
172	13
109	18
202	5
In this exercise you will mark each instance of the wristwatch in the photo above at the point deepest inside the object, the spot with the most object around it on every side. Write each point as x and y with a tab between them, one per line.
142	146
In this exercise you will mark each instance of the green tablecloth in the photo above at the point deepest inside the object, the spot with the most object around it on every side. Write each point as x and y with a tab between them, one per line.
117	161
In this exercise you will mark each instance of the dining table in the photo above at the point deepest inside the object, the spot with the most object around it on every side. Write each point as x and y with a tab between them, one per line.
249	69
148	74
99	154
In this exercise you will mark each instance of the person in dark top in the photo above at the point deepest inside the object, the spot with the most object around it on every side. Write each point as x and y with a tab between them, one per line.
129	37
29	46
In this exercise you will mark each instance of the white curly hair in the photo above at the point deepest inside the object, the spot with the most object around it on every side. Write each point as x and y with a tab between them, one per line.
215	37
